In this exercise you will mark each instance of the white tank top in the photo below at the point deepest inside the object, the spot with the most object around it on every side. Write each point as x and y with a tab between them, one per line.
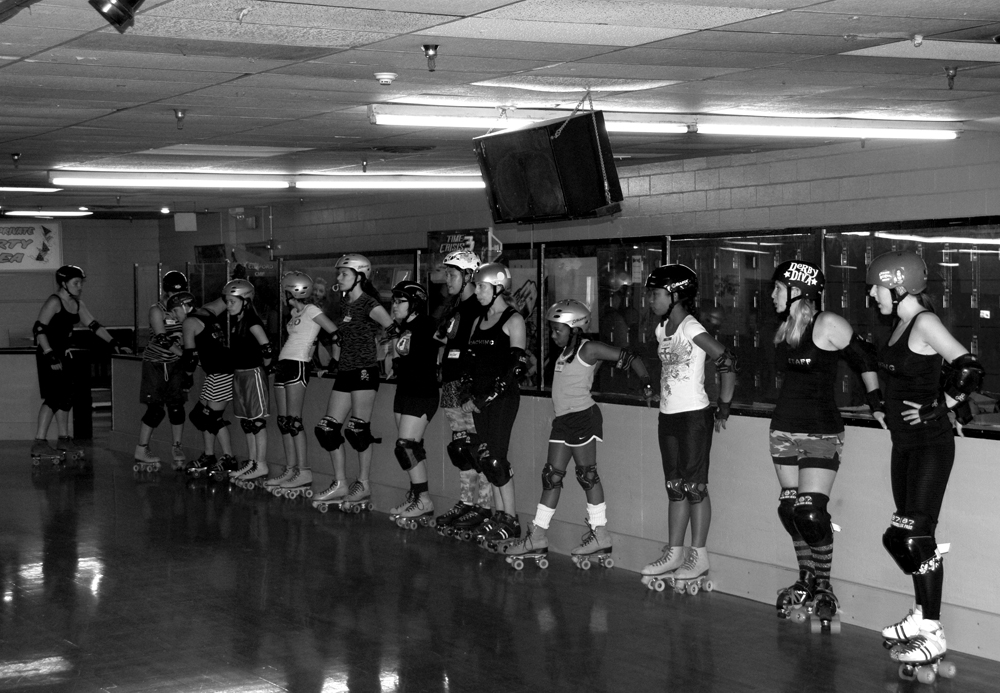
682	379
572	382
302	332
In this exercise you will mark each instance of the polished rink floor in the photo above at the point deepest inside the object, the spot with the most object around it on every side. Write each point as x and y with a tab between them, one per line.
116	583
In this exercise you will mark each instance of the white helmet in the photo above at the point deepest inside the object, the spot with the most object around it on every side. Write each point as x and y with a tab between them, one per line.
569	312
495	274
356	262
462	260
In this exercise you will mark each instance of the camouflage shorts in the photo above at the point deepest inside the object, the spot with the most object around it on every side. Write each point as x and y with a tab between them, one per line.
807	449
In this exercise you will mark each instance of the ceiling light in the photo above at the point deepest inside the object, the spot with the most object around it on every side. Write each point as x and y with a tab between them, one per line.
430	52
83	209
164	210
31	190
43	213
819	131
119	13
401	182
127	179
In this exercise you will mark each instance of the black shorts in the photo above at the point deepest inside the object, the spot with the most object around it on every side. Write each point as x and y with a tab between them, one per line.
162	383
578	428
55	387
290	373
685	444
409	405
358	379
495	423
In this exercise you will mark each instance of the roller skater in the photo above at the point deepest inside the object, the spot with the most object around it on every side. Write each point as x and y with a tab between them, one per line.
807	433
918	402
60	313
416	399
42	451
357	382
306	322
596	546
534	546
333	496
453	331
164	387
685	423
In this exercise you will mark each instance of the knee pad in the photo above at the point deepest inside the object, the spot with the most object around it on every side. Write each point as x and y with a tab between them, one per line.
812	520
154	415
552	477
175	414
359	434
588	477
409	453
462	451
201	417
216	423
910	542
328	433
786	510
497	471
675	490
695	493
295	426
283	425
253	426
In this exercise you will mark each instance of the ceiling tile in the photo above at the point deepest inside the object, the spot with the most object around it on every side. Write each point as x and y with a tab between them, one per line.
558	32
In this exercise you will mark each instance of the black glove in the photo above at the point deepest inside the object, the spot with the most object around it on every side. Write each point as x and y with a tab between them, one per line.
722	411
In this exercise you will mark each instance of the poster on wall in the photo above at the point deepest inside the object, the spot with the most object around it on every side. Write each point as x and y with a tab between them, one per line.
26	245
439	244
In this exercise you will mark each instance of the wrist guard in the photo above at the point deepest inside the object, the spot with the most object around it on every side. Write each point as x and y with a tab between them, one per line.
94	326
727	363
722	411
625	359
875	400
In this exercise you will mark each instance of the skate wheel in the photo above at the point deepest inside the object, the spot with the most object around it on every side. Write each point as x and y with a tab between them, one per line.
693	589
585	564
543	563
946	670
135	468
835	625
609	562
658	585
518	564
797	616
906	672
815	626
308	493
708	586
926	674
432	522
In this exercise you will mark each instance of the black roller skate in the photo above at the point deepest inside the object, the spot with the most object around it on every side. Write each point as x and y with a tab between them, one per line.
508	528
222	469
795	602
444	521
41	451
198	468
825	610
464	527
485	527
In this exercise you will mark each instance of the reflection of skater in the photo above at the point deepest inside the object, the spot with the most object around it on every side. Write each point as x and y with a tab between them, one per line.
923	443
162	389
498	359
416	397
475	496
685	421
577	428
807	433
361	319
53	329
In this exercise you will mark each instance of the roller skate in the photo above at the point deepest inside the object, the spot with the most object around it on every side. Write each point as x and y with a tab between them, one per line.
796	602
145	461
41	451
825	608
272	484
485	527
654	575
464	527
333	495
199	467
443	521
596	546
692	577
299	484
397	510
906	630
922	657
508	528
177	454
534	544
223	469
419	513
72	451
358	498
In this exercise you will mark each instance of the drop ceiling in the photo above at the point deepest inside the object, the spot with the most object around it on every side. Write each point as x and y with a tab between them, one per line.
272	86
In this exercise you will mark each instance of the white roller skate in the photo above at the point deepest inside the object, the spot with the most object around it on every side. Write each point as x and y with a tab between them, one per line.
272	484
904	631
693	575
252	474
358	498
655	574
396	511
921	658
419	513
333	495
596	546
41	451
535	545
177	454
299	484
145	461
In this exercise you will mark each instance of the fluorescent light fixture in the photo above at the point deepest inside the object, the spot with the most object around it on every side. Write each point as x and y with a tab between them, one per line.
32	190
44	213
501	123
401	182
936	239
126	179
790	130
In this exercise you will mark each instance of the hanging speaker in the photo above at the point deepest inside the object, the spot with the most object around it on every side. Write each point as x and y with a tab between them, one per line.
554	170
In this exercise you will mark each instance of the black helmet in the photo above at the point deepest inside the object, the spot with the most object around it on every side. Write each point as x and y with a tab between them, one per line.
174	281
67	272
805	276
675	279
901	269
411	291
181	298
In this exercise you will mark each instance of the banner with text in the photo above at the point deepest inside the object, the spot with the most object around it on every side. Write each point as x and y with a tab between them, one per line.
27	245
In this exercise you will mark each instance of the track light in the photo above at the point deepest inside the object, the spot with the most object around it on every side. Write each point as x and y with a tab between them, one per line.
119	13
430	52
179	115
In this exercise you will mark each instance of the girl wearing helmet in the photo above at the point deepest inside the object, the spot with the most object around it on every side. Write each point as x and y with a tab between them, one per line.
497	360
162	389
577	428
807	433
53	329
305	321
416	399
361	320
685	422
923	442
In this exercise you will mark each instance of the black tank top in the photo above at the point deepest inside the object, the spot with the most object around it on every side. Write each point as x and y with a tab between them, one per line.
60	327
806	402
211	343
489	353
910	377
458	325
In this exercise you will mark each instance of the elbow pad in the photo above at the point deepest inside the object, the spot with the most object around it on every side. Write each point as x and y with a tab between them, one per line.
267	351
963	376
518	363
625	359
39	328
727	363
94	326
860	355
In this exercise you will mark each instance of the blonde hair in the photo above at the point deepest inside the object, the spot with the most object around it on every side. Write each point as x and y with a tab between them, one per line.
800	315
